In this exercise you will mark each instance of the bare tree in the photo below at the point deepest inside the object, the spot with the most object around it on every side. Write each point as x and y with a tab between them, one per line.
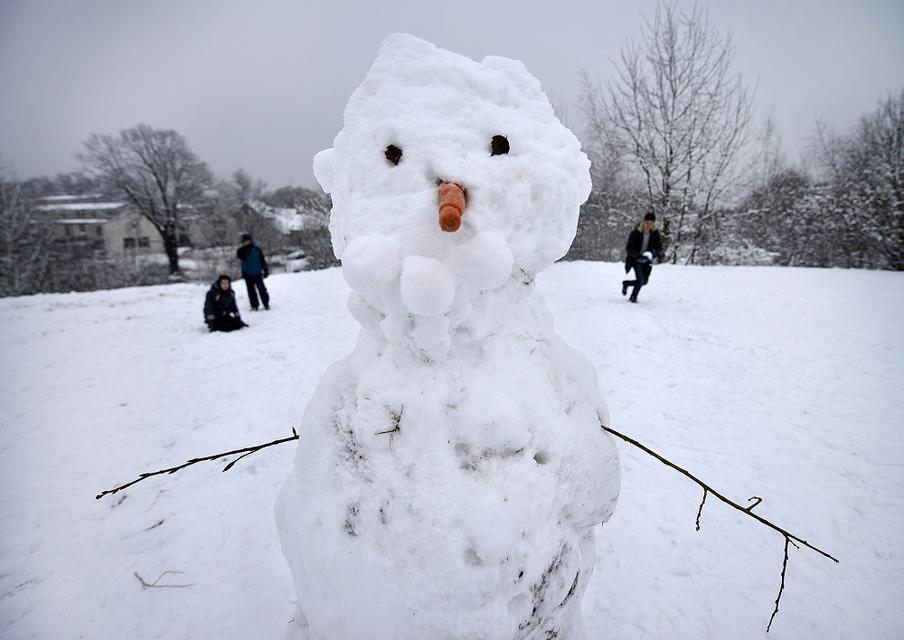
681	117
156	172
608	169
243	189
611	207
239	207
23	239
768	158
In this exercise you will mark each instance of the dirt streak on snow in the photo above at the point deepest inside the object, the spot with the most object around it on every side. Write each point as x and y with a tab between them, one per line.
780	383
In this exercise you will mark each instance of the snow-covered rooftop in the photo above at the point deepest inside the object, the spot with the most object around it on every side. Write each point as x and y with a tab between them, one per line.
82	206
65	197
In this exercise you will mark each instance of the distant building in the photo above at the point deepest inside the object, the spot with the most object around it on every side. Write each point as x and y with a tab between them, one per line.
114	228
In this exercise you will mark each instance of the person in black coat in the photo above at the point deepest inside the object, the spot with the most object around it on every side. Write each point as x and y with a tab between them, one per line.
220	311
254	270
644	246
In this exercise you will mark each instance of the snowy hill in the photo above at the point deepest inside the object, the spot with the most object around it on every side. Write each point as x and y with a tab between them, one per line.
780	383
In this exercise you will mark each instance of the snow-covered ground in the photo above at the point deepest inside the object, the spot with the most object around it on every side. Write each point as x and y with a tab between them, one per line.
780	383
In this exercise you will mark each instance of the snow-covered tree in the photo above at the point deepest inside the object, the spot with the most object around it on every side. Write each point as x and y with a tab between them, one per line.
864	176
23	240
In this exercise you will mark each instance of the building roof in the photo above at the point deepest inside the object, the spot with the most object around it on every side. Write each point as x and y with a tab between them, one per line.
81	206
66	197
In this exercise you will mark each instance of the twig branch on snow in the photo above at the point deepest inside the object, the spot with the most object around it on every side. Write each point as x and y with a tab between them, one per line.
790	538
700	510
155	585
396	417
245	451
781	587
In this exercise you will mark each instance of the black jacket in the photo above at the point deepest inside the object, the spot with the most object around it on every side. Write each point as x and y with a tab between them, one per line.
635	243
219	304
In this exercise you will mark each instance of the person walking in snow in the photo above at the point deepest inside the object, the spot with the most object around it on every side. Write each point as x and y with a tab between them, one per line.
220	310
644	246
254	270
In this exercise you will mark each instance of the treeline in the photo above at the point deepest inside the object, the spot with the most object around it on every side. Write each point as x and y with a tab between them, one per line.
846	209
157	176
674	133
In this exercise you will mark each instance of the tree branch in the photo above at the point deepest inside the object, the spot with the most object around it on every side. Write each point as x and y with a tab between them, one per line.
247	451
706	487
149	585
700	510
789	537
782	587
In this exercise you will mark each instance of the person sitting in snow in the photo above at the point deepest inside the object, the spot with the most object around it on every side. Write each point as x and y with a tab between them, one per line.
254	270
220	311
644	246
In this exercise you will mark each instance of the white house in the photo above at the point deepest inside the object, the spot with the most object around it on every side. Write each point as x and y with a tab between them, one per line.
113	227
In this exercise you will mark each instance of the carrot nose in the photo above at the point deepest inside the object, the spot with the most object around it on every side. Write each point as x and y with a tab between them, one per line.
451	206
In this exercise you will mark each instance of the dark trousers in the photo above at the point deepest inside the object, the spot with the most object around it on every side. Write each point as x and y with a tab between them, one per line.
227	323
642	270
255	284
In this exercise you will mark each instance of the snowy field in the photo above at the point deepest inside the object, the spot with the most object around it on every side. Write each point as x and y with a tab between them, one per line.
780	383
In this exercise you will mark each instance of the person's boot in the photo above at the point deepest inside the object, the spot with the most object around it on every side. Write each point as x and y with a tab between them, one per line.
624	287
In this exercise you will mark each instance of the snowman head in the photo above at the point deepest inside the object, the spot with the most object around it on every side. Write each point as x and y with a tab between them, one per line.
447	158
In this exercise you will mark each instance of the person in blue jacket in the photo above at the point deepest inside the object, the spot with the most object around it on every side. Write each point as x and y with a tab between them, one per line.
644	246
254	270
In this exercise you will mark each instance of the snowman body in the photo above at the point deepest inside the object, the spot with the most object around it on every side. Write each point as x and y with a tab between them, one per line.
452	469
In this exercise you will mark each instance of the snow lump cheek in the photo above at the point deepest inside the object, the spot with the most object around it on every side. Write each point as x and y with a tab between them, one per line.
370	264
485	260
427	286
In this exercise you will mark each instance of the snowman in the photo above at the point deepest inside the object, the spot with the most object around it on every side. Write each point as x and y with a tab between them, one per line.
451	471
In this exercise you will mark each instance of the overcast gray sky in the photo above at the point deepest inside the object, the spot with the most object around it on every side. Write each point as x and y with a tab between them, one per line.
262	84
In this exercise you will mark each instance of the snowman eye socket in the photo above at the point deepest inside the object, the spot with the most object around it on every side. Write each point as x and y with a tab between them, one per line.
499	145
393	154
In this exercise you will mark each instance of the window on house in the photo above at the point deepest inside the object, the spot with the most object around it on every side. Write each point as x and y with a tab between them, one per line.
144	242
99	230
81	228
128	243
